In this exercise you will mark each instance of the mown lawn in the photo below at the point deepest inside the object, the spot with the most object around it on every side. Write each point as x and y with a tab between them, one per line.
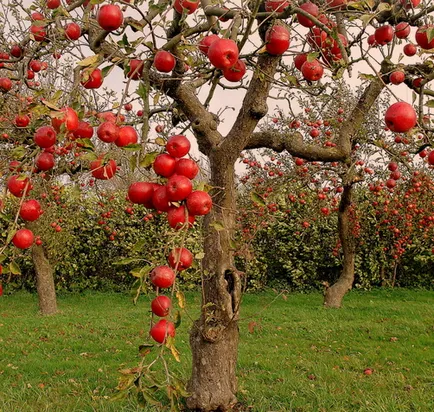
294	355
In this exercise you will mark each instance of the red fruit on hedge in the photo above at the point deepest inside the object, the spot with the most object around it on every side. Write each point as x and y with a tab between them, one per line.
187	168
16	51
22	120
103	171
162	276
410	50
223	53
400	117
108	132
299	60
141	192
236	72
180	259
72	31
276	5
178	187
92	78
392	166
23	239
127	136
44	161
38	32
110	17
199	203
19	185
161	330
176	217
35	65
178	145
164	61
390	183
161	306
53	4
310	8
277	40
312	70
30	210
164	165
206	42
422	38
5	84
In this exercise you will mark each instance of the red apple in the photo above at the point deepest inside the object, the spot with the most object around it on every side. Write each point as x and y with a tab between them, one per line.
178	145
162	276
127	136
178	187
22	120
141	192
160	200
164	165
72	31
108	132
44	161
199	203
277	40
38	33
310	8
276	5
161	330
299	59
236	72
422	37
110	17
410	4
23	238
16	51
5	84
45	136
30	210
176	217
136	69
312	70
206	42
223	53
187	168
180	259
400	117
83	131
402	30
53	4
161	306
35	65
91	78
19	185
164	61
384	34
392	166
397	77
410	49
66	116
187	6
103	171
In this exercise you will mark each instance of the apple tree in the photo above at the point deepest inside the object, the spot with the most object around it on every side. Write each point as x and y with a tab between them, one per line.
190	62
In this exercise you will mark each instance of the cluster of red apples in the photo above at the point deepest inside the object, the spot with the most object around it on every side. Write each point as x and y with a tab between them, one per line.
176	196
163	277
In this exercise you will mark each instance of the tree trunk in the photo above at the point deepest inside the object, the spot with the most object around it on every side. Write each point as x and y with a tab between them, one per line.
44	281
335	293
214	337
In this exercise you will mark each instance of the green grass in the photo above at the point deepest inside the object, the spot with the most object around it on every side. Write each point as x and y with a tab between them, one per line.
297	356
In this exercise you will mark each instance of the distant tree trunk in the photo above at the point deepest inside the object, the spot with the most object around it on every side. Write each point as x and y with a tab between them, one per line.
44	281
214	336
335	293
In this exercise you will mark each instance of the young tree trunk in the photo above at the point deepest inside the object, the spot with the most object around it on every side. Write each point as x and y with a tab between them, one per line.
335	293
44	281
214	336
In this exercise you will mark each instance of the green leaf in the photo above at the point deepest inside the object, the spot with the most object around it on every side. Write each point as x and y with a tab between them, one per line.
160	141
14	268
89	61
86	143
142	91
18	152
365	76
217	226
312	56
257	198
171	345
127	261
106	70
430	104
132	147
148	159
147	397
430	34
181	299
177	319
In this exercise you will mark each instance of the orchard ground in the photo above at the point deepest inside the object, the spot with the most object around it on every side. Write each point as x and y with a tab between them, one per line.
375	355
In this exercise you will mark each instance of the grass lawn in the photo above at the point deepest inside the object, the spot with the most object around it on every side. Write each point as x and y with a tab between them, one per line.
294	355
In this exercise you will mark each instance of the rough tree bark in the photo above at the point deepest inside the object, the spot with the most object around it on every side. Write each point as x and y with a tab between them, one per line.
44	281
335	293
214	336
